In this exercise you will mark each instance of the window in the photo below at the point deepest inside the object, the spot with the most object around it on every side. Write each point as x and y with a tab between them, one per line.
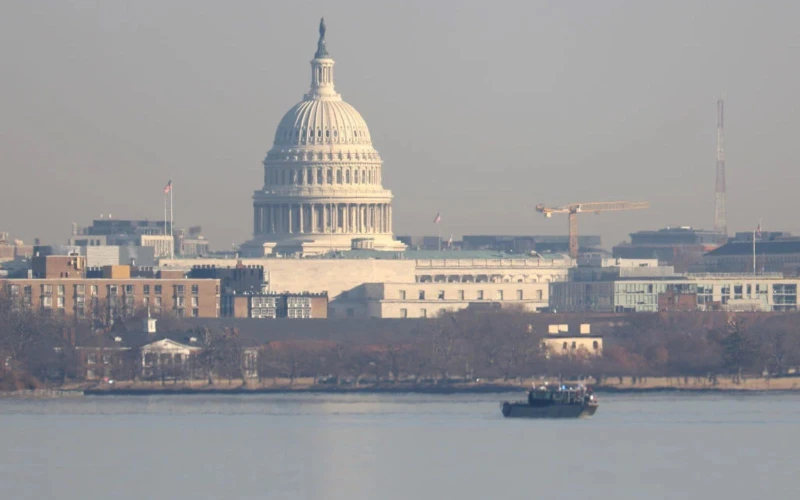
423	313
47	301
61	290
60	301
91	358
181	312
179	290
195	312
158	290
195	289
146	302
146	289
480	294
180	301
129	289
595	345
403	313
539	295
402	295
47	289
499	295
519	294
80	289
194	301
461	295
574	344
441	295
422	295
93	290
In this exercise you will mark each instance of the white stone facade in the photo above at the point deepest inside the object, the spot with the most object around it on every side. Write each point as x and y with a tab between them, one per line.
322	178
371	287
428	300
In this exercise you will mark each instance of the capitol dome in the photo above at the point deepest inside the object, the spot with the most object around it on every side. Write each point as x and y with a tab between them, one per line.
328	122
322	178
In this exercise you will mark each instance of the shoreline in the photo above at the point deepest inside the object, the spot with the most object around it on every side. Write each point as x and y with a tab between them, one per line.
307	386
429	391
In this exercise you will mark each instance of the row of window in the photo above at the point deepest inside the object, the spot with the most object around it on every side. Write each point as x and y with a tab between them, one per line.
460	295
314	176
79	290
263	312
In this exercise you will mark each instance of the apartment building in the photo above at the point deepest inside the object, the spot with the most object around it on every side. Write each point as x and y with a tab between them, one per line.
64	289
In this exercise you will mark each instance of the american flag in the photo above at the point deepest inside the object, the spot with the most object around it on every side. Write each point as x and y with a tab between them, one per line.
438	218
168	187
758	229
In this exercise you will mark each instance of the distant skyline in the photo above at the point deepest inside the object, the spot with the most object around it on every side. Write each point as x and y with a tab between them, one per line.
478	113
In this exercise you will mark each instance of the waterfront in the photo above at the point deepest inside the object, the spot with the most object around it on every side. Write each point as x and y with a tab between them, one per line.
360	446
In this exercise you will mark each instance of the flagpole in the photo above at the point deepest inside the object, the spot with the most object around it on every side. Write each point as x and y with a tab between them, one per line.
754	252
171	223
165	214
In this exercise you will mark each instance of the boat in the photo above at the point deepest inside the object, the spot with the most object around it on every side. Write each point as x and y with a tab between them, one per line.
553	401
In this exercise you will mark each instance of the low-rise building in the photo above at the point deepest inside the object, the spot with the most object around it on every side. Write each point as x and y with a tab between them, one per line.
344	280
776	255
275	305
680	247
764	292
427	300
63	288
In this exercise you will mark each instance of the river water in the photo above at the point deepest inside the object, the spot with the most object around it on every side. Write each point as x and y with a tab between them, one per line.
397	447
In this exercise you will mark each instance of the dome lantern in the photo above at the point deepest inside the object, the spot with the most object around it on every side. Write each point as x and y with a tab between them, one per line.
322	71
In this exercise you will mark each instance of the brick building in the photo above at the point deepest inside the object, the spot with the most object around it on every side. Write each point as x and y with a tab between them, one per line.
275	305
60	285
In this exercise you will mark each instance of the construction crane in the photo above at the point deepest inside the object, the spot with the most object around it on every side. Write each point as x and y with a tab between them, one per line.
575	208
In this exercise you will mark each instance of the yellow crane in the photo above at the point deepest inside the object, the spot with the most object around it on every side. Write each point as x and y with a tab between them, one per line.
575	208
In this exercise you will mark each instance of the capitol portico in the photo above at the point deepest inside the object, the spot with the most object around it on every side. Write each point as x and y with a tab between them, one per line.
322	178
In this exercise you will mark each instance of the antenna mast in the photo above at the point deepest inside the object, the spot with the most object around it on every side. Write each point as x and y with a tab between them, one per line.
720	212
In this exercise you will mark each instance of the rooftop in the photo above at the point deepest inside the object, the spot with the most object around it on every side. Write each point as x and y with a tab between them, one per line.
775	247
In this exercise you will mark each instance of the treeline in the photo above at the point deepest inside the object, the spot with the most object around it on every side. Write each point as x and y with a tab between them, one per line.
40	349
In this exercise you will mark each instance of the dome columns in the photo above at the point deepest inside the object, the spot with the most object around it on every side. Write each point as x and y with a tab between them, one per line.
322	218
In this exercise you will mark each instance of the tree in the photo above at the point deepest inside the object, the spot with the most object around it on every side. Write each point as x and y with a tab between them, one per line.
780	344
739	350
222	355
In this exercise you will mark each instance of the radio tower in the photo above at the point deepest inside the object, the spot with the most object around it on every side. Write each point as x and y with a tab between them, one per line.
720	213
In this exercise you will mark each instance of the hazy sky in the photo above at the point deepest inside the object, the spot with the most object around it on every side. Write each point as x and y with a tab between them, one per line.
479	109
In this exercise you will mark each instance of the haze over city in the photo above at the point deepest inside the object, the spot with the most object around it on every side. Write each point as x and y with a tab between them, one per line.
479	112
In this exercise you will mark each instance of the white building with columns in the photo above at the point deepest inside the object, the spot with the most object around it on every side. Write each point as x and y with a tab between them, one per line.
322	178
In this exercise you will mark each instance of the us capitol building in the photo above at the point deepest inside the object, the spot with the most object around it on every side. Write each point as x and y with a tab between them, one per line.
323	186
323	191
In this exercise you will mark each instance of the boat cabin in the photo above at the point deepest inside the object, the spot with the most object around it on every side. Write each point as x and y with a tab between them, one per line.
547	395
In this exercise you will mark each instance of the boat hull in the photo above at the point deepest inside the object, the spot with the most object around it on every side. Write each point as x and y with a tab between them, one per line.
521	410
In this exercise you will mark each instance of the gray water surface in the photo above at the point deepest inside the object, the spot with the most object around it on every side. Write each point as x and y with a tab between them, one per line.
397	447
